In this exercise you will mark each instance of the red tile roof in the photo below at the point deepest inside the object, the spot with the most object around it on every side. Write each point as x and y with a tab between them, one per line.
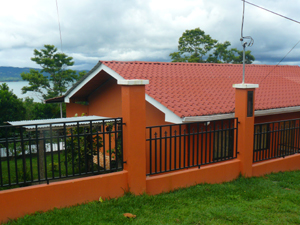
197	89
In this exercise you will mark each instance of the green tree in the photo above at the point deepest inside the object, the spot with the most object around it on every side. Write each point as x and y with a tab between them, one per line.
12	108
221	53
53	64
194	45
38	110
238	56
81	74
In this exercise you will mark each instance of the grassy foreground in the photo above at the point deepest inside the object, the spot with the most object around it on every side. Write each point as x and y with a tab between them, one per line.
272	199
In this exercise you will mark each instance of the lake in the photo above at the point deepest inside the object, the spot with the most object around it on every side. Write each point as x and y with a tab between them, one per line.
16	87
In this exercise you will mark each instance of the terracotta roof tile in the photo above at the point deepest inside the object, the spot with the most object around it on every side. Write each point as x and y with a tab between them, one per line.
197	89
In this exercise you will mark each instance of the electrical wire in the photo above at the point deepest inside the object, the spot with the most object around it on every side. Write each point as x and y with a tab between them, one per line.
59	27
244	1
61	46
279	62
253	40
271	11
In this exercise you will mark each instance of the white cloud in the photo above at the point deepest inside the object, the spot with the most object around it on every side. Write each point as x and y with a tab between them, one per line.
141	30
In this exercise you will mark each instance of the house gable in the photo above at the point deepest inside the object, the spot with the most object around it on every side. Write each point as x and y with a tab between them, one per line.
106	100
92	79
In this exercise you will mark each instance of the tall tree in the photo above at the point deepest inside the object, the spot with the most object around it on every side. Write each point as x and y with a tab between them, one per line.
221	53
238	56
194	45
54	78
38	110
12	108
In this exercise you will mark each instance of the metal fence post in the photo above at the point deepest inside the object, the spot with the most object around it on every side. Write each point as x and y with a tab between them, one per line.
41	154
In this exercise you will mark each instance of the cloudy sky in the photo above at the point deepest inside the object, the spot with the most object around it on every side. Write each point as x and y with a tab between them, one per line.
144	30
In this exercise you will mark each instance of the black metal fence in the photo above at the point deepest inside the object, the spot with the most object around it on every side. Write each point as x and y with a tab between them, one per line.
40	153
179	146
276	139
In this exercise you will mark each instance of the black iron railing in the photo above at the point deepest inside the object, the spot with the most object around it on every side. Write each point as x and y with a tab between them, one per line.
276	139
179	146
41	153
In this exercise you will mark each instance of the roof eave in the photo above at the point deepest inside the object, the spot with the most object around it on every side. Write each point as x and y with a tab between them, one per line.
207	118
268	112
170	116
257	113
55	100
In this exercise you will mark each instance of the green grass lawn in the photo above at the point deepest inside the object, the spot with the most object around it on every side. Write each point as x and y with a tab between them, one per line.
272	199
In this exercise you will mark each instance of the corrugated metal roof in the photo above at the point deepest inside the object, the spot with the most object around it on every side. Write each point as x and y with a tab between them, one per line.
59	122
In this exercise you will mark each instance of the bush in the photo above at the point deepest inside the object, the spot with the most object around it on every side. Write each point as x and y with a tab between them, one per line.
81	145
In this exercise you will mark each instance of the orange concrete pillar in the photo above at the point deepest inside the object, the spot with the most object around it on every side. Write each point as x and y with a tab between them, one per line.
134	135
244	110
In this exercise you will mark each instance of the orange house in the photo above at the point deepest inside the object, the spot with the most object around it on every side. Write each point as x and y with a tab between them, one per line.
186	92
179	93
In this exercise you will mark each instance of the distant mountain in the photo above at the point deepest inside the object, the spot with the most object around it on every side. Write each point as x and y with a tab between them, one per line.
9	73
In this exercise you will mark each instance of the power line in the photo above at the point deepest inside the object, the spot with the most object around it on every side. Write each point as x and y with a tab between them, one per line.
244	43
272	12
279	62
283	17
59	27
61	116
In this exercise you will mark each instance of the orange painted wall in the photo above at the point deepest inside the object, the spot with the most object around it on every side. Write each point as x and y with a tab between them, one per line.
154	117
245	130
106	101
21	201
213	173
287	163
73	109
277	117
134	117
